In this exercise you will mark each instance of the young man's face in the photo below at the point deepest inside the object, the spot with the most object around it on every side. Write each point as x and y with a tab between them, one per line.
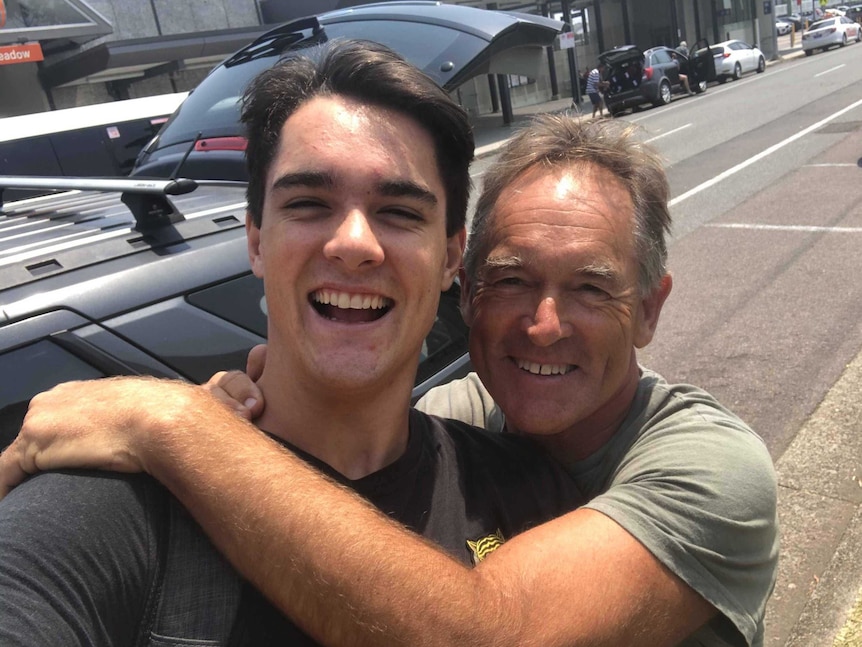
352	247
555	313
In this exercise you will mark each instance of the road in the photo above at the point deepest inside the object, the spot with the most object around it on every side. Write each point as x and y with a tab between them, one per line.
766	310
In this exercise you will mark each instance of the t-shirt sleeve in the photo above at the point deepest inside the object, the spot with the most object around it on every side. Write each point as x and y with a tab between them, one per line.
77	553
699	491
466	400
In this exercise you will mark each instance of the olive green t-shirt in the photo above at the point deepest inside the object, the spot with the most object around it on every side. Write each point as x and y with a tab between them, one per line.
687	478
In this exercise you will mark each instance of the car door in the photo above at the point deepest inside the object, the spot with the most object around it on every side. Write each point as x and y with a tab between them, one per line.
664	66
701	64
747	57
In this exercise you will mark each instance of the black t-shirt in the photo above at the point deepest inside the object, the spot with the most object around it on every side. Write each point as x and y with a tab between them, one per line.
79	550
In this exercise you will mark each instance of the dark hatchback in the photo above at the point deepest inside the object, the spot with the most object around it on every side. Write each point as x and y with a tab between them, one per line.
450	43
636	78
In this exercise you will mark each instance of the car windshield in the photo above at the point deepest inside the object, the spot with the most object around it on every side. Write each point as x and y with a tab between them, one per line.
823	24
213	108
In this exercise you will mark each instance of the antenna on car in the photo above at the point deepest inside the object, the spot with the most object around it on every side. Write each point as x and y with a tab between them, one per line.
185	156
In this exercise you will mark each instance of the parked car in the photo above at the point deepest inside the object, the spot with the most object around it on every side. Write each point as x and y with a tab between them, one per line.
783	27
830	32
635	78
733	58
145	278
795	19
450	43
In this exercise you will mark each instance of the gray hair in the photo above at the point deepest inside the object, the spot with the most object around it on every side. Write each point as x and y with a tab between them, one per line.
552	141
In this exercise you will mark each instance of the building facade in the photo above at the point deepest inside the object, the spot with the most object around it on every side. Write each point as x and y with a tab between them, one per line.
66	53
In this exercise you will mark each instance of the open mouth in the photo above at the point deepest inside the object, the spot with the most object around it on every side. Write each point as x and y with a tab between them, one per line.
347	307
544	369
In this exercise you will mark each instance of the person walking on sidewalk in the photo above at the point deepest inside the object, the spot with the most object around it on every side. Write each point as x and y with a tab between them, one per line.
595	85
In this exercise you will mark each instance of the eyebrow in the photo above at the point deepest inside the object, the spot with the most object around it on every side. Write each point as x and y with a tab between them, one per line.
406	189
312	179
389	188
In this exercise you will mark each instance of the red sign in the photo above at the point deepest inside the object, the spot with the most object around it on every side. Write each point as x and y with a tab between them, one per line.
26	53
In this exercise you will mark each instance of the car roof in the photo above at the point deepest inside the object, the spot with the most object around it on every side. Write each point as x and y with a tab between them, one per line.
620	54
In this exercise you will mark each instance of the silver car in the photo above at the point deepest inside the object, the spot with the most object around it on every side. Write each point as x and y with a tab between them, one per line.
733	58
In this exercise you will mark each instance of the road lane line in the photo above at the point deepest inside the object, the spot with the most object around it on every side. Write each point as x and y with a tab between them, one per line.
848	165
756	158
805	228
837	67
670	132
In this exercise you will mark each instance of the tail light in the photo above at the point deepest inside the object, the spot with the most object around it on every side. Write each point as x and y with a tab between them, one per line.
725	55
221	144
648	73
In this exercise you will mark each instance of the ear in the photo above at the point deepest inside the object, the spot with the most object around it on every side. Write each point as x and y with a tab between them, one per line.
649	310
466	298
253	237
454	255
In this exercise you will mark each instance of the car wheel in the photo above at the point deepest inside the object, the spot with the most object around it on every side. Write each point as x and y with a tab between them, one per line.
614	111
809	52
700	87
664	94
737	72
761	65
844	41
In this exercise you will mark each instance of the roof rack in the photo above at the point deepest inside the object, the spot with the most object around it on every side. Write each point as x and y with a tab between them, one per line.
146	198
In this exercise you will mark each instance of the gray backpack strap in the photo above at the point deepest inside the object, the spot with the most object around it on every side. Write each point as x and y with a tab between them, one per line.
200	591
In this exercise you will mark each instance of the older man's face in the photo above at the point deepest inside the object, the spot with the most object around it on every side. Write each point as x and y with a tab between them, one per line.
555	312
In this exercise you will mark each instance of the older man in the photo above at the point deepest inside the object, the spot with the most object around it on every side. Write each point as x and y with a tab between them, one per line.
359	182
564	279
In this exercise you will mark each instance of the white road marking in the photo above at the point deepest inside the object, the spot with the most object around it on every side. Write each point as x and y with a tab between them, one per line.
837	67
847	165
756	158
670	132
805	228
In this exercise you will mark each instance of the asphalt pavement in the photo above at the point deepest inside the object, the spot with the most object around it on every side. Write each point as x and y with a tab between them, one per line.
818	596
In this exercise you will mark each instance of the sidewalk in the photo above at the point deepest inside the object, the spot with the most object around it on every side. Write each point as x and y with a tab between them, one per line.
818	595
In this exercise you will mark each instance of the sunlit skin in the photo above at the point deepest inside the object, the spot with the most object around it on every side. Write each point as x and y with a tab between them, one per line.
556	314
353	253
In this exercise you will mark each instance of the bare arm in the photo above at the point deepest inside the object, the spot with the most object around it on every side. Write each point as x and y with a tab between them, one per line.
344	572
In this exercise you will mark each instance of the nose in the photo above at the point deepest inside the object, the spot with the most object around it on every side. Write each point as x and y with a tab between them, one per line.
546	327
354	242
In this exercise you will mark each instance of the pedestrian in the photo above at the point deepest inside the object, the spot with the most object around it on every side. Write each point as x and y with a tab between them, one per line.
595	86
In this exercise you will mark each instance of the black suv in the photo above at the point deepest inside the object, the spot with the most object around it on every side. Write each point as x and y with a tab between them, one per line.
151	279
635	78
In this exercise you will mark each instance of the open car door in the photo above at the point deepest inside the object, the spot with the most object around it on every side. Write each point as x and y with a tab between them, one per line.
701	66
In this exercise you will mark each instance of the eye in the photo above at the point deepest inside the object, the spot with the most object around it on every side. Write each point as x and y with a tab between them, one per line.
403	213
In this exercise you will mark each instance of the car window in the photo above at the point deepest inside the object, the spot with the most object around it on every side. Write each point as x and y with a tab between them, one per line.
213	108
661	56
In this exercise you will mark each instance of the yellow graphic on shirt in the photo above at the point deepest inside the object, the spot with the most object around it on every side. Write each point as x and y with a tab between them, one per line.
484	546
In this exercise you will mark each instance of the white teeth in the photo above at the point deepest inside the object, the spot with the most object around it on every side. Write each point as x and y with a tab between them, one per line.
544	369
346	300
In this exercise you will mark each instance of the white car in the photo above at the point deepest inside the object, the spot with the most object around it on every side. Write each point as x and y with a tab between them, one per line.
734	57
830	32
783	27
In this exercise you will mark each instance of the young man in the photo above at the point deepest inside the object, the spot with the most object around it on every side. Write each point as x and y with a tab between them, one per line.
564	279
356	205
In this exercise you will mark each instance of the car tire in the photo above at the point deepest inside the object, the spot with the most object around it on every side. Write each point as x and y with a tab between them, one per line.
761	65
809	52
664	94
737	72
614	111
700	87
844	41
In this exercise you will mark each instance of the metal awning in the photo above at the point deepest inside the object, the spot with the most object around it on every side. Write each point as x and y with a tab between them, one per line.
142	57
